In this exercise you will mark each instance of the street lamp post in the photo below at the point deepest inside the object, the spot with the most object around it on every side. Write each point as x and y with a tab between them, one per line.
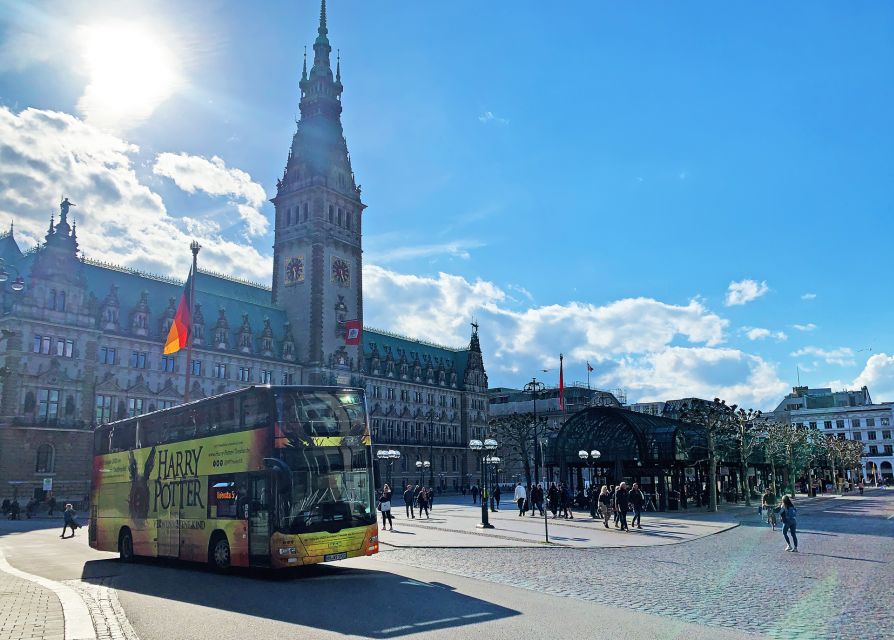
422	466
431	438
482	450
494	463
590	458
543	442
534	387
388	456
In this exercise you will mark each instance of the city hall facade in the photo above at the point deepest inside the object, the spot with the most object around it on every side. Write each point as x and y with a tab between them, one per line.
82	340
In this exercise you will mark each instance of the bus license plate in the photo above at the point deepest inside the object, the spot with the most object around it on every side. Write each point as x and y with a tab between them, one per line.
335	556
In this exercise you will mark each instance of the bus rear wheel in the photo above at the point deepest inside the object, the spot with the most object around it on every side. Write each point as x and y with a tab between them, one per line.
125	546
219	554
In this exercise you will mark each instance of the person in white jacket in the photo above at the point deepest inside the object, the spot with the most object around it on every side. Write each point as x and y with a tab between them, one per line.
521	497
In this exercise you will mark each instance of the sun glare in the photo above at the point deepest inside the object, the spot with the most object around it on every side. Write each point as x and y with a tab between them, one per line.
131	72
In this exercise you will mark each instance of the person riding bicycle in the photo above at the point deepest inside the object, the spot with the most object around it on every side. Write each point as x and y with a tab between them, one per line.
768	504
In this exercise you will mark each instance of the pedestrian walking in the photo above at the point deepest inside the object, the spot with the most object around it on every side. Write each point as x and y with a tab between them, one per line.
593	500
789	523
51	503
69	520
474	493
497	495
520	497
860	486
637	499
408	501
622	502
565	497
14	509
552	499
422	499
385	507
536	500
605	504
768	503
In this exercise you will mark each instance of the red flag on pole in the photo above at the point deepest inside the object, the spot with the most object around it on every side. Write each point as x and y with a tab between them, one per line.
353	329
561	385
178	335
589	368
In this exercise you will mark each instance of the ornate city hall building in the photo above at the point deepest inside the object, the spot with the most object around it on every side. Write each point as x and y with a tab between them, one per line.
82	340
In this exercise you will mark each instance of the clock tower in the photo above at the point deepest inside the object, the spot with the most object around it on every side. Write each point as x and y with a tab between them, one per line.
317	256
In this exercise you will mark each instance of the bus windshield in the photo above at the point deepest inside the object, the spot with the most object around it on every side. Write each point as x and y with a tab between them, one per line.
322	439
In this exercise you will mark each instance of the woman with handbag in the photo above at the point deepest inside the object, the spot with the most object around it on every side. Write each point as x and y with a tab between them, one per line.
385	507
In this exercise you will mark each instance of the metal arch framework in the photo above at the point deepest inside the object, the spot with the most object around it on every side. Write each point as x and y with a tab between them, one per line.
627	436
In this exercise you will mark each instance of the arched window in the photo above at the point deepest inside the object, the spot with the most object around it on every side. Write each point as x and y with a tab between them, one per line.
46	459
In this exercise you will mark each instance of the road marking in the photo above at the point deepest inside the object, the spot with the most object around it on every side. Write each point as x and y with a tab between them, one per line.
78	624
429	623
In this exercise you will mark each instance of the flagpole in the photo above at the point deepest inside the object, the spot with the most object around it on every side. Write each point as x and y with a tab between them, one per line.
194	247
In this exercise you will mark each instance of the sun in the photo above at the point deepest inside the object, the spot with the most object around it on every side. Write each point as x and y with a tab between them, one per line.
131	71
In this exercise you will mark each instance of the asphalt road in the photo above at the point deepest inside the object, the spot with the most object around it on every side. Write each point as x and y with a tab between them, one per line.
509	593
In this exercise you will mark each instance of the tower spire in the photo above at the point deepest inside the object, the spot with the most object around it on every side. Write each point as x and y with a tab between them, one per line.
322	30
304	68
338	66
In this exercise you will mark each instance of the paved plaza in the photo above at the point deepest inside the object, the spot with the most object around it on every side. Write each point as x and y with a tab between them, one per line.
685	575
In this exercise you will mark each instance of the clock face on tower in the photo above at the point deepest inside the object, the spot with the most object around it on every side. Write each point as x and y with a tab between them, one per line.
295	270
341	272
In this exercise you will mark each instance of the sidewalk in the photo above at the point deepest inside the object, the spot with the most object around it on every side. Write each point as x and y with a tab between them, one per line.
453	525
29	611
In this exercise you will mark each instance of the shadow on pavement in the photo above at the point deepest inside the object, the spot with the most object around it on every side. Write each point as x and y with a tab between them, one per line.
345	600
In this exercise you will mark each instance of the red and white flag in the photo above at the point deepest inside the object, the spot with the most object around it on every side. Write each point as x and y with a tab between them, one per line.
353	331
561	385
589	368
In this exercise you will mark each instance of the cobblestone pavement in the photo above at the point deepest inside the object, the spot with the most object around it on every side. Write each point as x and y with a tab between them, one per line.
28	611
838	586
108	616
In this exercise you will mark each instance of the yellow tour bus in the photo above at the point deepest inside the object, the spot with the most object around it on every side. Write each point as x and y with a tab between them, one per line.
267	476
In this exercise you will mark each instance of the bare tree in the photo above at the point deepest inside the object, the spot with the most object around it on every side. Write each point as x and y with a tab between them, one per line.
515	433
746	438
716	419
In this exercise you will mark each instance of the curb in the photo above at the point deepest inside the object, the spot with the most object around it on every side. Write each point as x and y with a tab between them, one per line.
78	623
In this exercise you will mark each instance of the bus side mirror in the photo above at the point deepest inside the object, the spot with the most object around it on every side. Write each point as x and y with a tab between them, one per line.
282	473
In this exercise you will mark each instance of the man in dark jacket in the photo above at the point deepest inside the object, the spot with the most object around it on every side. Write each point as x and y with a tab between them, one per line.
622	502
637	499
408	501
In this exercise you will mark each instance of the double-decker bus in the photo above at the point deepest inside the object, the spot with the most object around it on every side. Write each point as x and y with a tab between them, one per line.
267	476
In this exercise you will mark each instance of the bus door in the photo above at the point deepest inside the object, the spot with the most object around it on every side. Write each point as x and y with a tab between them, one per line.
169	531
259	512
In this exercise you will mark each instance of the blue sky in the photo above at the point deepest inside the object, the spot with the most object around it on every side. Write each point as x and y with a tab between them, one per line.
598	179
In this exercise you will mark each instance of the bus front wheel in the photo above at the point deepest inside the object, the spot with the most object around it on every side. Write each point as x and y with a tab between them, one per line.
125	546
219	556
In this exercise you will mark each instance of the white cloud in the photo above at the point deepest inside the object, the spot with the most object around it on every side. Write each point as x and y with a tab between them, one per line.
878	375
744	291
804	327
651	348
454	249
808	296
758	333
46	154
843	356
196	173
488	117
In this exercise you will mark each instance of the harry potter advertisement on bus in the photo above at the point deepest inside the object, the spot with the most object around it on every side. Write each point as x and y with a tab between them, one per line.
167	485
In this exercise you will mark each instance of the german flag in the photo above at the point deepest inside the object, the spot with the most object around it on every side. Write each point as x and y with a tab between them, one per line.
178	336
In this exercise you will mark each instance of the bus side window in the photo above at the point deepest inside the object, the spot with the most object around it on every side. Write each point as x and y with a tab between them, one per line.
254	409
123	437
101	441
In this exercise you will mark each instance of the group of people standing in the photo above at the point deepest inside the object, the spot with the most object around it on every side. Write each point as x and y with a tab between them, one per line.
416	498
607	502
